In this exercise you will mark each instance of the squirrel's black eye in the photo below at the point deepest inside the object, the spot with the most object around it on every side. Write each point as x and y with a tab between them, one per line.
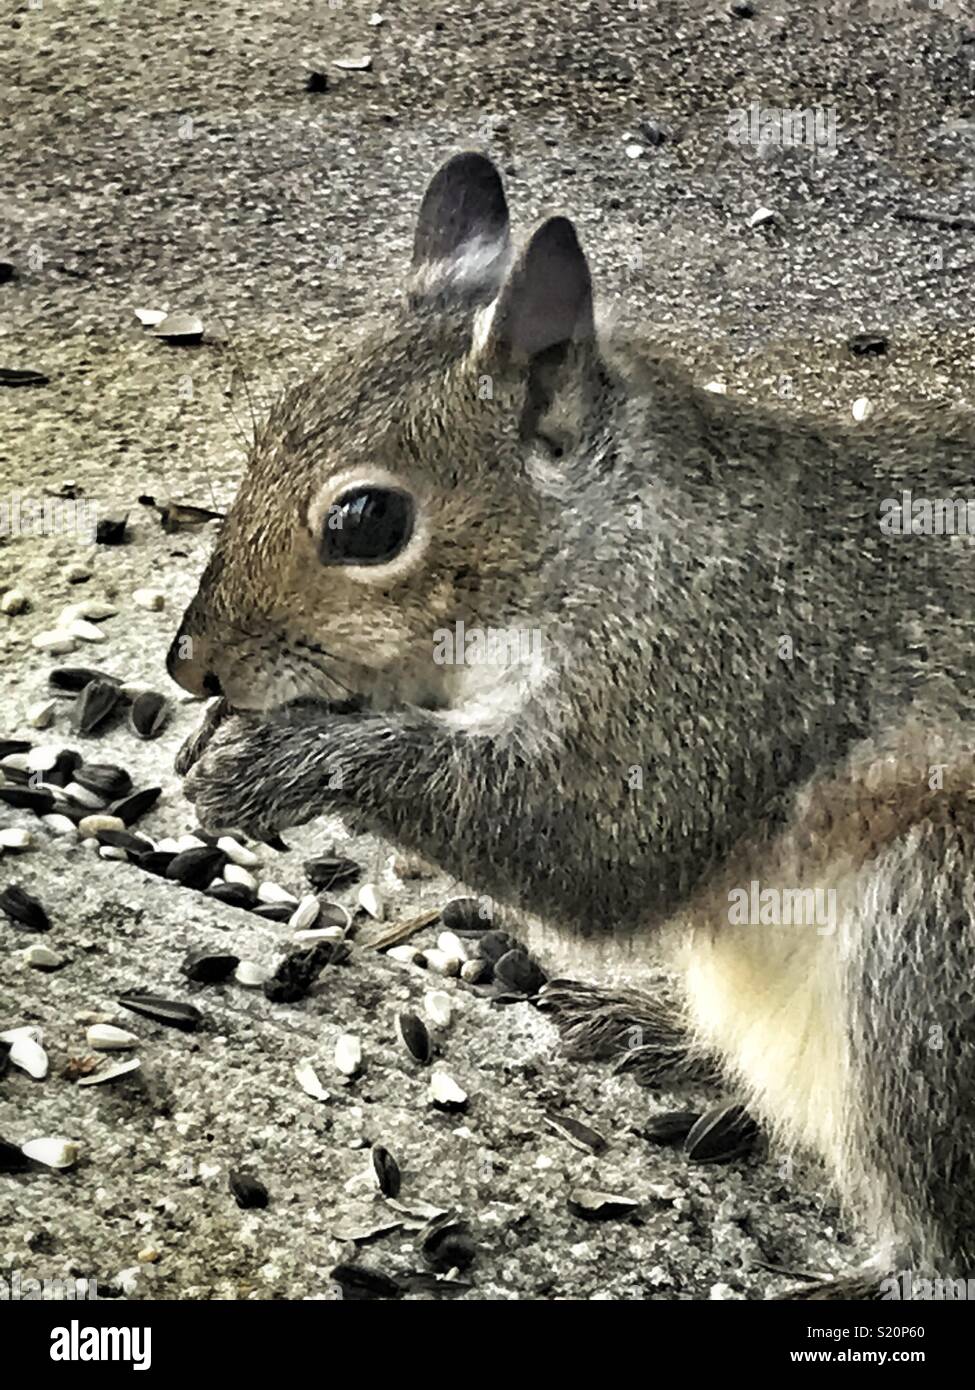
366	526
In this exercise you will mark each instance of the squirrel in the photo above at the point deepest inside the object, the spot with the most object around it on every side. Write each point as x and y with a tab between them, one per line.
726	725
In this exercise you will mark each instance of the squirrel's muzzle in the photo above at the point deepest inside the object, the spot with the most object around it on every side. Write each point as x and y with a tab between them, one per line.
190	663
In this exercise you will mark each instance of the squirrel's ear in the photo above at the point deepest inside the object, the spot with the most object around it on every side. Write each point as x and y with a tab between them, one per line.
461	242
547	298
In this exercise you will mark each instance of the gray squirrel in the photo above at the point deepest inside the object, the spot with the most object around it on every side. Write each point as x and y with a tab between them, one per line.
726	723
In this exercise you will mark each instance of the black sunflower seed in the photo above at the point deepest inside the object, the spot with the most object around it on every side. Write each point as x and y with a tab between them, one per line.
75	678
449	1246
131	808
23	909
330	871
517	972
274	912
123	839
148	714
28	799
12	1158
197	868
721	1135
111	530
14	745
298	972
168	1011
387	1171
495	944
154	861
248	1191
415	1036
106	779
869	344
235	894
593	1205
97	701
463	915
22	376
209	967
65	766
672	1127
358	1283
578	1134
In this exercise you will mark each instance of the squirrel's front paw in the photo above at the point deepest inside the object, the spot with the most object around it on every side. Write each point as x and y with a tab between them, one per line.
247	780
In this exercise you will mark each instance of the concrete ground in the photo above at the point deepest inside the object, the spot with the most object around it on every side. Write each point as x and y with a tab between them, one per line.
171	157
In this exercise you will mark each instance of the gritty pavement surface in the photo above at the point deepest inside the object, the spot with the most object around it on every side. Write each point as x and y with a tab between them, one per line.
172	157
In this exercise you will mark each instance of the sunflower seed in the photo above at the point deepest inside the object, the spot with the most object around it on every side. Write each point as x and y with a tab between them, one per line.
247	1190
154	862
95	704
412	1033
59	825
15	839
74	678
85	631
131	808
465	915
297	973
359	1283
148	714
372	901
273	912
91	825
441	963
105	1037
671	1127
251	975
449	1245
184	842
124	840
41	802
167	1011
386	1169
445	1094
593	1205
451	945
28	1054
152	600
111	1073
495	944
439	1007
517	972
236	874
10	747
406	955
179	328
578	1134
307	1079
105	779
83	796
52	1151
348	1054
234	894
196	868
237	853
40	714
12	1158
868	344
328	872
54	641
477	972
23	909
721	1135
42	958
320	934
14	601
209	968
270	893
305	914
111	530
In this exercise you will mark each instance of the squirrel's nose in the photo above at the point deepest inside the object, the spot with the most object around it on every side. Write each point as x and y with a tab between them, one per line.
189	662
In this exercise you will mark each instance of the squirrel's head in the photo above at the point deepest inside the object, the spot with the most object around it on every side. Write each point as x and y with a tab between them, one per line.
415	481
